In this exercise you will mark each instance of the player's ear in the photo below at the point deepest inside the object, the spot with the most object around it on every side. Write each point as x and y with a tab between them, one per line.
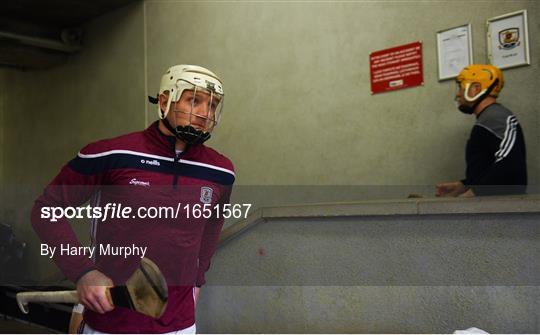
163	98
475	89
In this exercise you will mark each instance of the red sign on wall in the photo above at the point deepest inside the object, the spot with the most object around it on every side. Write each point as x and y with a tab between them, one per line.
396	68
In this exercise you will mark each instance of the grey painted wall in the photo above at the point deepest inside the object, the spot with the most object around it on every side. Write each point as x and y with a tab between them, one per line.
399	274
368	309
298	104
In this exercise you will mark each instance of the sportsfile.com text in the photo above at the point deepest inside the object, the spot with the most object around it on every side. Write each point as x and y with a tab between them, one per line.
119	211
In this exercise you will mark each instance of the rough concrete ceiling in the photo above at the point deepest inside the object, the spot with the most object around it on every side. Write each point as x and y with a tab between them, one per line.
37	34
60	13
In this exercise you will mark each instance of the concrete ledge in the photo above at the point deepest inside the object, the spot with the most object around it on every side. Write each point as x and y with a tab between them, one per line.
416	206
481	205
237	228
364	208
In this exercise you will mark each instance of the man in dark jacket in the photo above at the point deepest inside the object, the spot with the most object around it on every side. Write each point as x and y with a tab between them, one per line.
495	153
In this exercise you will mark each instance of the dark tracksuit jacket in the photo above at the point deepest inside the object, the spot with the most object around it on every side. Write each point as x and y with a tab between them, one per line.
495	154
141	169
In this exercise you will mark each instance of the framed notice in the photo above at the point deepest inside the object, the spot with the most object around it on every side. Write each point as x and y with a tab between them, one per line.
508	40
454	50
396	68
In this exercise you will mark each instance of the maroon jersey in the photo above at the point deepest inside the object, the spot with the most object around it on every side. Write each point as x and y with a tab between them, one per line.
141	170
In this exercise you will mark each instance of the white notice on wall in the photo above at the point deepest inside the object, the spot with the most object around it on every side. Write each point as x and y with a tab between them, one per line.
454	51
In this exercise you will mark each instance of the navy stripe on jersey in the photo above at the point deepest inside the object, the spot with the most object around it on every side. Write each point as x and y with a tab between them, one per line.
124	159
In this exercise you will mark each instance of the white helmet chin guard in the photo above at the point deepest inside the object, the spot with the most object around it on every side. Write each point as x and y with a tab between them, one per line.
196	78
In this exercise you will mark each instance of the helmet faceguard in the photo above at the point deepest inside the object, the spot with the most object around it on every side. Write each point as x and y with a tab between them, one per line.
203	89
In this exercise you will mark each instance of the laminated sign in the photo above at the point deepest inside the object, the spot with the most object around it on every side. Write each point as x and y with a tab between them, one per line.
396	68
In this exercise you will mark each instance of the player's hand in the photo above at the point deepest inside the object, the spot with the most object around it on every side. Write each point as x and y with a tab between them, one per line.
196	292
450	189
92	288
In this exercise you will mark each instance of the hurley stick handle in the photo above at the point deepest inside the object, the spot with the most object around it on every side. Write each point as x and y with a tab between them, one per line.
23	298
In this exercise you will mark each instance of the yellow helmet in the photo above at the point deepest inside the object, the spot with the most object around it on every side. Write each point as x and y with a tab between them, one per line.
488	76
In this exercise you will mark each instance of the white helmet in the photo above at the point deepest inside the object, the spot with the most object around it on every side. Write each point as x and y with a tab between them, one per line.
190	77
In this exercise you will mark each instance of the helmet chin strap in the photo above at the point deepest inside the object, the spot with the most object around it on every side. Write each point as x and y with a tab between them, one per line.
466	109
187	134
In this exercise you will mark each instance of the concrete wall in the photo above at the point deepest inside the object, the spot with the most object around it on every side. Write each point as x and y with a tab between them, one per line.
49	115
377	274
298	104
368	309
